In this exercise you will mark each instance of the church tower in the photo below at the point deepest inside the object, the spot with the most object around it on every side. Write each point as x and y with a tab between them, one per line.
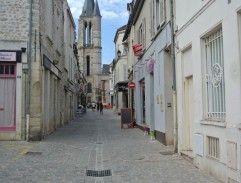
89	48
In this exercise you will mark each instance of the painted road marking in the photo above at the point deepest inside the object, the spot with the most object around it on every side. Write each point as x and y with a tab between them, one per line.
24	150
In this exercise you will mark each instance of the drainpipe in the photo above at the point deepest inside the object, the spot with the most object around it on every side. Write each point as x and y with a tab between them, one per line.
27	102
174	76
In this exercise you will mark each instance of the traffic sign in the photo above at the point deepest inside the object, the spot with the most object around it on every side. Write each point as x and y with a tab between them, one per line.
132	85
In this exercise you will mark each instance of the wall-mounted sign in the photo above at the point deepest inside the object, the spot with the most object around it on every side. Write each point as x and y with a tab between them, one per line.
137	49
49	65
151	66
131	85
8	56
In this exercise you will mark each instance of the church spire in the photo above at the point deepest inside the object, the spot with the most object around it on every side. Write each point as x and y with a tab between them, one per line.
96	11
88	8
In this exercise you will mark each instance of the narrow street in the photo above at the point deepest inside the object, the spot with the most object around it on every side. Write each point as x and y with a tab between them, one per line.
95	142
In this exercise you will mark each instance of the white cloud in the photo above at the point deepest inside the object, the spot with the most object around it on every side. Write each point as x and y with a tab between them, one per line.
108	14
110	9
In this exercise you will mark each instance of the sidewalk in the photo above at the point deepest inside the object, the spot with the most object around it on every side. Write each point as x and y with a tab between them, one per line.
95	142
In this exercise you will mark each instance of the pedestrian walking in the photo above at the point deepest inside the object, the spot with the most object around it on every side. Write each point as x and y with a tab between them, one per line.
93	106
101	108
98	106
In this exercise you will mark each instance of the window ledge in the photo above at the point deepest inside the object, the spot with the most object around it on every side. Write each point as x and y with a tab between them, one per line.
214	123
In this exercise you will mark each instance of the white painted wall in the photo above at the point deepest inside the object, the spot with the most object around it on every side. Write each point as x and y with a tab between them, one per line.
207	16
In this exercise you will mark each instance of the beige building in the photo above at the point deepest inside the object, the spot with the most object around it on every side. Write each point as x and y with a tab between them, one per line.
32	67
89	48
119	72
150	67
105	86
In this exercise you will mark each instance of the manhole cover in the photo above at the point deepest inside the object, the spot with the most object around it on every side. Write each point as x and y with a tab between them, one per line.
98	173
133	157
34	153
167	152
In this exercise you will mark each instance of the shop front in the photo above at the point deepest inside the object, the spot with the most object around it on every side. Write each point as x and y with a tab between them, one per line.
10	91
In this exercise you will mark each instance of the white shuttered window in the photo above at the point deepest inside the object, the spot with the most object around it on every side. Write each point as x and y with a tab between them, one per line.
214	77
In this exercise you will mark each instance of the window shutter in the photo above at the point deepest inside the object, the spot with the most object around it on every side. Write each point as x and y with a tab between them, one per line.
144	33
162	12
151	20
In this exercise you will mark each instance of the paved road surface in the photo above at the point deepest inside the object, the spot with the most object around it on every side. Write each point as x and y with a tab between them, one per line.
95	142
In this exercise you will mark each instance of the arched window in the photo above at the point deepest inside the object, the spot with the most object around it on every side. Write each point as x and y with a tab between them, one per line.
89	88
88	65
90	34
85	34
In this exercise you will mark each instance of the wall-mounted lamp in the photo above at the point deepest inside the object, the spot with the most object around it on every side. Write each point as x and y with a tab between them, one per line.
55	62
23	50
25	68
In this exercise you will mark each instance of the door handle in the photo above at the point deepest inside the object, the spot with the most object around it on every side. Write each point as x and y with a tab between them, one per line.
1	109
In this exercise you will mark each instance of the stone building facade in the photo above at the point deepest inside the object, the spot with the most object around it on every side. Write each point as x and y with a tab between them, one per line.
31	69
89	48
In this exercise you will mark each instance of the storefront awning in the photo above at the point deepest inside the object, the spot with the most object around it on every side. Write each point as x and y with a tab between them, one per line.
121	86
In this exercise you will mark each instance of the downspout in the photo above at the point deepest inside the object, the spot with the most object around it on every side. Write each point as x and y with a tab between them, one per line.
27	105
174	76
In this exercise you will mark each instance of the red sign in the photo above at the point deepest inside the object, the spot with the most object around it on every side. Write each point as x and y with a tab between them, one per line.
151	66
132	85
137	48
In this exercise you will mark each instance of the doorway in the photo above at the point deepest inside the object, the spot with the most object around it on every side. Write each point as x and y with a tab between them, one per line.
7	97
188	114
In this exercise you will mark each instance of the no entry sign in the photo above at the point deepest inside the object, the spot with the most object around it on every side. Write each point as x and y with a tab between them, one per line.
131	85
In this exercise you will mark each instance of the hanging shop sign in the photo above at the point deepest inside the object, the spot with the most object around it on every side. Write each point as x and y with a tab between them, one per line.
131	85
121	87
151	66
10	56
137	49
50	66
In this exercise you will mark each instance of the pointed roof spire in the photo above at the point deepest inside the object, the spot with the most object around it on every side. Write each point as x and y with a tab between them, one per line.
88	8
96	11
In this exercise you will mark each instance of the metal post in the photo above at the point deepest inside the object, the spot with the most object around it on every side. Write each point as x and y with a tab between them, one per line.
27	102
174	76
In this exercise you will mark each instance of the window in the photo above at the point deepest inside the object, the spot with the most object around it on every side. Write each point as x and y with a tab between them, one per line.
88	65
7	70
90	34
142	33
89	88
86	34
161	14
49	10
152	22
213	149
239	32
157	8
214	77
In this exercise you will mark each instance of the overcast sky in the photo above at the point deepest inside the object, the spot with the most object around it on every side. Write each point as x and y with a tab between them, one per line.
114	15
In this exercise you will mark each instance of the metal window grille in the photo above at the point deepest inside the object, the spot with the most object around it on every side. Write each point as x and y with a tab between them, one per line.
213	149
214	77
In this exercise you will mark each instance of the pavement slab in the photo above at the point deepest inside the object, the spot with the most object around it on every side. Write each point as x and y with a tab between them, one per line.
95	142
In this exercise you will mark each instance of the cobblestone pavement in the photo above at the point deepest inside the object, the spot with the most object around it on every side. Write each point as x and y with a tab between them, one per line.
95	142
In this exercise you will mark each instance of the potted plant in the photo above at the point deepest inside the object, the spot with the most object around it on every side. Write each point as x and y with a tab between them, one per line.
145	128
152	134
